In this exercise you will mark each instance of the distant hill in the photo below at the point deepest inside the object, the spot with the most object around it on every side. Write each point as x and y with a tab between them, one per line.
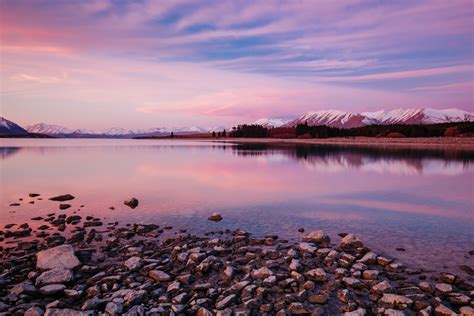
8	127
60	131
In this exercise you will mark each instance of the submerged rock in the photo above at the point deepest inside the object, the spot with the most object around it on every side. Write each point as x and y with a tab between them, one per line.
215	217
132	203
62	198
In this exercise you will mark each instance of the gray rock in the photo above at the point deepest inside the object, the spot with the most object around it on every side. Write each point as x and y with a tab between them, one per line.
350	240
54	276
58	257
52	289
368	258
317	274
395	301
261	273
370	274
357	312
381	287
113	309
203	312
25	288
307	247
66	312
133	263
442	310
444	287
317	236
34	311
226	301
353	283
159	276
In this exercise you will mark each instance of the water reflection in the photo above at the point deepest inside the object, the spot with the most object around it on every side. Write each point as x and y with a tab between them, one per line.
405	197
336	158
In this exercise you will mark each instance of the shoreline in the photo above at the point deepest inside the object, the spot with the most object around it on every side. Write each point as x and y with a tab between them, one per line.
93	266
458	143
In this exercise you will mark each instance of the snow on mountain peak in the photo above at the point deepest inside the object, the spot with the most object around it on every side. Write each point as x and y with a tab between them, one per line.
271	122
343	119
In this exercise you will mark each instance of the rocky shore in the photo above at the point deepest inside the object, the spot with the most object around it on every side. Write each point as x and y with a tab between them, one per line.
71	265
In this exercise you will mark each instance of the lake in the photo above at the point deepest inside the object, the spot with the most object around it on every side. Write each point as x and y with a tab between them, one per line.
421	201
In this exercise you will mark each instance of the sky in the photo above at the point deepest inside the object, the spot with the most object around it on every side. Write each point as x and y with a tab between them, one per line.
140	64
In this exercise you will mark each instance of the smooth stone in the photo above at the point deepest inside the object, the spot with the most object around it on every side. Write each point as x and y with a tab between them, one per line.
466	311
52	289
444	287
215	217
442	310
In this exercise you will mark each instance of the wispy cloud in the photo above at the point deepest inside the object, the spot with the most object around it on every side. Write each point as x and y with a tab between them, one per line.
235	58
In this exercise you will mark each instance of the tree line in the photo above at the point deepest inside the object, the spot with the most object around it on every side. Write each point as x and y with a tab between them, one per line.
322	131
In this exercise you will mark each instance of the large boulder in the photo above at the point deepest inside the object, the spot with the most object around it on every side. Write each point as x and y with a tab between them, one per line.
56	258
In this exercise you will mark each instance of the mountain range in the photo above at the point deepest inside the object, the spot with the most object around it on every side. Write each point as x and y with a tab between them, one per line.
342	119
116	132
334	118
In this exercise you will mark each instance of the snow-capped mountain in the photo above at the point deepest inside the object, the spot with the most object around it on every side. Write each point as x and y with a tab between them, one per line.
343	119
271	122
59	131
8	127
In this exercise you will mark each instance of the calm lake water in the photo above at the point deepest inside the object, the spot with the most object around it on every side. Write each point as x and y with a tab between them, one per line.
418	200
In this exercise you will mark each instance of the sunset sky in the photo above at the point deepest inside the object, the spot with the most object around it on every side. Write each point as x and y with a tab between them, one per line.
98	64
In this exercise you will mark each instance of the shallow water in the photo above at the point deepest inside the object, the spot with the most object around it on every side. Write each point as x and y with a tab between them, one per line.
418	200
